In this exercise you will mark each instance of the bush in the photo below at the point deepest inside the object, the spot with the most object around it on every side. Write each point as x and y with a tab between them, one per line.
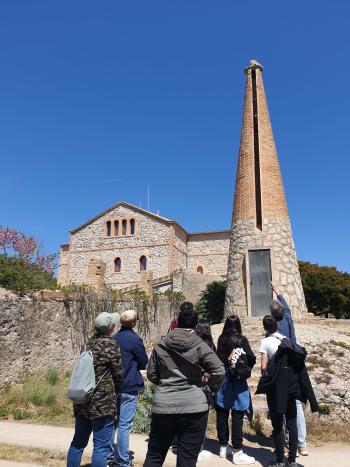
3	412
39	394
22	277
212	302
324	409
19	414
142	420
52	376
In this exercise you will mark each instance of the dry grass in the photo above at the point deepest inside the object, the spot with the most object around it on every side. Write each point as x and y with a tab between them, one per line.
319	430
38	400
31	455
37	456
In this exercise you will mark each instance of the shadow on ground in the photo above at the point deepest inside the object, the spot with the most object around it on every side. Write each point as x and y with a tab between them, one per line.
262	454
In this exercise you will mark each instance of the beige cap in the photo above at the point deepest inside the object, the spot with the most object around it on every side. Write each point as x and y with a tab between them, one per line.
128	317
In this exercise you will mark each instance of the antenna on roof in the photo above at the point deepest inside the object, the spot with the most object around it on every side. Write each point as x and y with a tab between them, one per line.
148	198
140	204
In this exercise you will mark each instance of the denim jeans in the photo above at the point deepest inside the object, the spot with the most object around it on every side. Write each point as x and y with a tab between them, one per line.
103	430
126	408
301	425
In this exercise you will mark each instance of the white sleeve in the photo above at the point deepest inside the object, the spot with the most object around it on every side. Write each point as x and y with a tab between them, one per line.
263	347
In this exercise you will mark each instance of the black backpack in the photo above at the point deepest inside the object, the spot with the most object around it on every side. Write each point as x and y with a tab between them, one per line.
239	368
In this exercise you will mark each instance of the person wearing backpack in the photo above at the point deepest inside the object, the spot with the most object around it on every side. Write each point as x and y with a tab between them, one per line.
234	395
96	415
177	367
281	312
284	380
134	359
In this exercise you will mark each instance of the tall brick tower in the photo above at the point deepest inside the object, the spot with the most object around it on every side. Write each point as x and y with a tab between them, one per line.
261	246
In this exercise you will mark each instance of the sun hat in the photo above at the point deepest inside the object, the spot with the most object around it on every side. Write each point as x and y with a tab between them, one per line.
128	317
105	320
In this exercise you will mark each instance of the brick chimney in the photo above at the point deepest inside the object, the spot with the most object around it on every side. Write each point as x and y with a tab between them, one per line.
261	247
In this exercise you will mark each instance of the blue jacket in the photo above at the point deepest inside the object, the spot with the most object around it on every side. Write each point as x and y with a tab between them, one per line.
286	325
134	359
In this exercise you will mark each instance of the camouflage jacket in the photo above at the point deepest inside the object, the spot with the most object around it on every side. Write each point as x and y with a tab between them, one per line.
107	357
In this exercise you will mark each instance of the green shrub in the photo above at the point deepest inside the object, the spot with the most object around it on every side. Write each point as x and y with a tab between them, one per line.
3	412
19	414
52	376
56	410
39	393
340	344
212	301
142	419
22	277
324	409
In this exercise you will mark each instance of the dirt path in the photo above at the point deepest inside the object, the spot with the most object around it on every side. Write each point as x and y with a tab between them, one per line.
58	439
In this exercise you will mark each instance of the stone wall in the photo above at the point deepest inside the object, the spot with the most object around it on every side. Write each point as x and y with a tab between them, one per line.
180	249
210	251
37	334
191	284
276	235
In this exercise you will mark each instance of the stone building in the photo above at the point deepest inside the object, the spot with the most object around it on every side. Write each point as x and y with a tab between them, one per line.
261	246
128	247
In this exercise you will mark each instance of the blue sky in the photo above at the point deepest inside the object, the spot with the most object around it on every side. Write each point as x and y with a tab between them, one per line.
151	93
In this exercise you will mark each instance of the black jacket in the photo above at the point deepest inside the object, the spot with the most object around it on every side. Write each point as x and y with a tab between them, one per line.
287	377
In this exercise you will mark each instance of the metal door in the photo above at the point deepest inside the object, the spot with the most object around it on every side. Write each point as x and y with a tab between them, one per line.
260	277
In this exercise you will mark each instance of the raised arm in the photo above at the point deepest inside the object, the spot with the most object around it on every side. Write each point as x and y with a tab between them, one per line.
281	299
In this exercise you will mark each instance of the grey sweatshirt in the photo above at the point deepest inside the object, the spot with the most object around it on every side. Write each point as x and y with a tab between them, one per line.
176	392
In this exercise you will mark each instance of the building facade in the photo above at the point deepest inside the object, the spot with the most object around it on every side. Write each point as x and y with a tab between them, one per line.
121	244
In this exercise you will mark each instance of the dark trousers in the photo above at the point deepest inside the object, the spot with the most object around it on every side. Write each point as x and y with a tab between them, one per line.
277	428
190	431
222	428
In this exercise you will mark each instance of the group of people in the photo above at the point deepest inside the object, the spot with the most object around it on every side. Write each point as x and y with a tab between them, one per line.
191	375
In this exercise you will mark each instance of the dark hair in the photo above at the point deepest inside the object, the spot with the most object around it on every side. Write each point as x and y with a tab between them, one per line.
204	332
270	324
187	318
226	343
186	306
232	324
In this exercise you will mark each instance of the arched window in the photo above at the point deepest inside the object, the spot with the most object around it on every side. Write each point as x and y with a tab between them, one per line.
132	226
117	265
116	228
200	270
143	263
124	227
108	228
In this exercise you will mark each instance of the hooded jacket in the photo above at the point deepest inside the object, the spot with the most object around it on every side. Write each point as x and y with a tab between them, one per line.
179	388
287	377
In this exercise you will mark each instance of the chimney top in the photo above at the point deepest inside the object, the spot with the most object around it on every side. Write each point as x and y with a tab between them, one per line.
254	65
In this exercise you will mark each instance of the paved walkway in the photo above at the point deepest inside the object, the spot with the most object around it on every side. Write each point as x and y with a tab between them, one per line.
58	439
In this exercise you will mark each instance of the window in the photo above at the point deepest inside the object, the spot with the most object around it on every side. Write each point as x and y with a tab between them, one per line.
108	228
117	265
116	228
143	263
200	270
132	226
124	227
